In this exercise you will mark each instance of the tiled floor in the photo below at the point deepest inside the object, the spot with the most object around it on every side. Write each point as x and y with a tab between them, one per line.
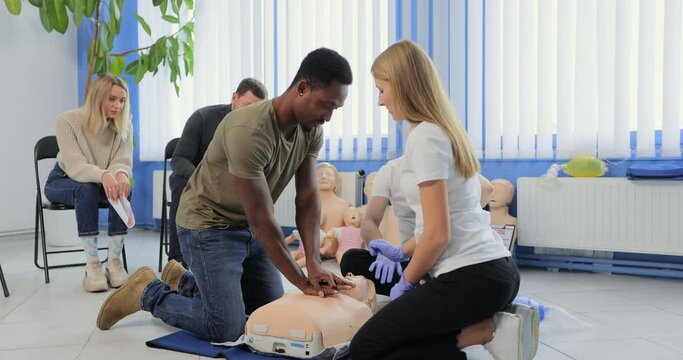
591	316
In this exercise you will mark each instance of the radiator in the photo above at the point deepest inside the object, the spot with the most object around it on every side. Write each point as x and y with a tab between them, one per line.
603	214
157	178
284	208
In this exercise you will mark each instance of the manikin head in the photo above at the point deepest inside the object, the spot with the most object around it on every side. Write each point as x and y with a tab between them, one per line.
363	291
352	217
328	177
503	193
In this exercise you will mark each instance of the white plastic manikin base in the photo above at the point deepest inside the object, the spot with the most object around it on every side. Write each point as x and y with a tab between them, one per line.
303	326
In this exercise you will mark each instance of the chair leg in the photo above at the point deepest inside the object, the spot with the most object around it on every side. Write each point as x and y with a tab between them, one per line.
35	246
40	223
4	283
161	238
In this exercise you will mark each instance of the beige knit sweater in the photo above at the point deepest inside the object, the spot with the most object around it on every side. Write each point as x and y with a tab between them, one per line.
85	157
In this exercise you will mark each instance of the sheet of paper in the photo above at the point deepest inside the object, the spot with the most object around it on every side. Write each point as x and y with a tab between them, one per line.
123	208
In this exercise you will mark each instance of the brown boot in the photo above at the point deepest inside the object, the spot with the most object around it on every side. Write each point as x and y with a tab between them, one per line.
171	274
125	300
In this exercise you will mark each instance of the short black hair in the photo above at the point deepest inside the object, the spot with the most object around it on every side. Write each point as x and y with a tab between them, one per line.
323	66
256	87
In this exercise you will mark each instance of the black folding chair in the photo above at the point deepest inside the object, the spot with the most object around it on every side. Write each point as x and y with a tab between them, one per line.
47	148
163	237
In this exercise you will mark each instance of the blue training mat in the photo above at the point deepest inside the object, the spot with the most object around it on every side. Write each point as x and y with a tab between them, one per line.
183	341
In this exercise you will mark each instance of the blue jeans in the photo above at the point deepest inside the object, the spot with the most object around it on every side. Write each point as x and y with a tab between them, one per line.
233	276
85	198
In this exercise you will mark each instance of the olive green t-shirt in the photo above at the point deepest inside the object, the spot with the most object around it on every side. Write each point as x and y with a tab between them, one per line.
247	144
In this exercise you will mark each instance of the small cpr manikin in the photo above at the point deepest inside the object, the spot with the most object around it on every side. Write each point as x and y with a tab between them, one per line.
303	326
336	241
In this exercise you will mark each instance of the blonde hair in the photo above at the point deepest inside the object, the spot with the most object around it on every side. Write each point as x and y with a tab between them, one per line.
95	117
418	93
337	177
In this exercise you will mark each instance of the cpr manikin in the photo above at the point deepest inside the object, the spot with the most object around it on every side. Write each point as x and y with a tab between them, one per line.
332	207
503	193
336	241
303	326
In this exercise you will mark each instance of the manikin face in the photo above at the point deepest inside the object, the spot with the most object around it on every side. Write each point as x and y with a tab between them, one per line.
387	99
240	101
316	105
364	291
327	178
352	217
502	194
113	104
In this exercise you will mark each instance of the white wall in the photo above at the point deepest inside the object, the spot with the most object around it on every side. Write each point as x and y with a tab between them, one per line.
39	81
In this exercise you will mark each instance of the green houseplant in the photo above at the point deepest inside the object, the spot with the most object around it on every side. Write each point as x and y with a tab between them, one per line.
169	50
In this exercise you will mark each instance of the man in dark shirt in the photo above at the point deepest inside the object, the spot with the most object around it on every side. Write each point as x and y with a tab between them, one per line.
197	135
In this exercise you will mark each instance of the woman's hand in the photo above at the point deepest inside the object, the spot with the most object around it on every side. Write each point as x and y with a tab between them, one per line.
110	185
123	184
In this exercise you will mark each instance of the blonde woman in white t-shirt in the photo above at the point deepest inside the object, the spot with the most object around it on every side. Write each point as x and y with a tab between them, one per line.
472	274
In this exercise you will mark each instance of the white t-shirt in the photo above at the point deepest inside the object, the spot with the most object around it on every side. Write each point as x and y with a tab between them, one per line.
387	185
429	156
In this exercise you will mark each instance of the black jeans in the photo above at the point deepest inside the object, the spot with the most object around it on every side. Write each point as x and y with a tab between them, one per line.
424	322
177	184
357	262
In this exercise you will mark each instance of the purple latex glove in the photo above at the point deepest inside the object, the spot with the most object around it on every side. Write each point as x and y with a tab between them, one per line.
385	268
394	253
401	287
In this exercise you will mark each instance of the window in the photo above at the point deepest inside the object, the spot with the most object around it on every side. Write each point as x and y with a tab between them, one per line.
566	77
267	40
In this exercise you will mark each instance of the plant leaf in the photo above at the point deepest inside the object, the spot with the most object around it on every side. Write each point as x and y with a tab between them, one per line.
114	10
57	11
103	40
89	7
36	3
132	67
100	65
171	19
163	6
174	6
45	17
140	70
156	2
13	6
70	4
77	12
189	4
117	65
144	24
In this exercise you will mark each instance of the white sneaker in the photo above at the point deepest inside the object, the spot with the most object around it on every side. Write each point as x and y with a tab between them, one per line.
116	274
507	339
94	279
